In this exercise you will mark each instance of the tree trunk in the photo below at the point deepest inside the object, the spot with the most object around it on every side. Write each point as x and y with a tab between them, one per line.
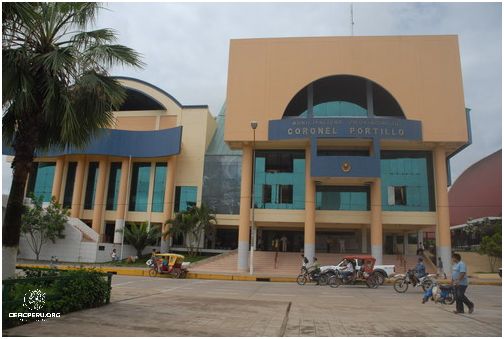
11	229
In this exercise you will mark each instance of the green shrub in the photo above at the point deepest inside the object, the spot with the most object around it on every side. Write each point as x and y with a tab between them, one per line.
66	291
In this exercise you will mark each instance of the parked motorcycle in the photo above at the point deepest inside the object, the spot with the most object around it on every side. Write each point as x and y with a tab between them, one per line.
309	276
372	280
403	281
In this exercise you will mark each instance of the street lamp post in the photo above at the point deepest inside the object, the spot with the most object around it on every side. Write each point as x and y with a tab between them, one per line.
253	124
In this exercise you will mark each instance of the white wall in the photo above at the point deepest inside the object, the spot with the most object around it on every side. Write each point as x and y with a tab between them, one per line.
73	249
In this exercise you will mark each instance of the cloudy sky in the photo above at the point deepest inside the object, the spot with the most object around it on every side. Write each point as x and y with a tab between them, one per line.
185	47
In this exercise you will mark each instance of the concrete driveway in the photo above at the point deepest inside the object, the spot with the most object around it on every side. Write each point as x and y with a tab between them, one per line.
143	306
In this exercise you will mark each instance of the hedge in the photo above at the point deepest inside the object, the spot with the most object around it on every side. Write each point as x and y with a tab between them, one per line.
65	291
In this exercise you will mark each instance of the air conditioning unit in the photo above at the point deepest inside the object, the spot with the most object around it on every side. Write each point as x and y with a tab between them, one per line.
27	201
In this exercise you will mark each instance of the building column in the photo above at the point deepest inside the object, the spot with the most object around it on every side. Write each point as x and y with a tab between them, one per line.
98	207
420	239
405	243
121	201
376	222
78	186
309	227
58	178
364	239
168	200
442	209
245	200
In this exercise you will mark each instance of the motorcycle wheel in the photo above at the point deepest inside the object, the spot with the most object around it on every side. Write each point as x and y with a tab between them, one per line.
381	278
334	281
372	281
152	272
400	285
426	284
323	279
301	279
450	299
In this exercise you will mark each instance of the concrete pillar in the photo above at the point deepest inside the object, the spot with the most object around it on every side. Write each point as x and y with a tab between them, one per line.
376	222
364	239
421	238
310	194
168	200
98	207
442	208
405	243
77	191
121	201
245	199
58	178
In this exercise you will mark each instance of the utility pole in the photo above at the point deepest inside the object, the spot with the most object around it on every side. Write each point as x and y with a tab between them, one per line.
351	19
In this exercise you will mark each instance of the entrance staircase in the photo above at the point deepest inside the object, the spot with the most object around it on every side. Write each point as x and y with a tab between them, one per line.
289	263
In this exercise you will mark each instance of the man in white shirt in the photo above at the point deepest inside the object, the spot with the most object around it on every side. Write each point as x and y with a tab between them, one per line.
349	269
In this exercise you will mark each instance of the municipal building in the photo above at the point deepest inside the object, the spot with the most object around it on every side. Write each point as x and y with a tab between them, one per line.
336	144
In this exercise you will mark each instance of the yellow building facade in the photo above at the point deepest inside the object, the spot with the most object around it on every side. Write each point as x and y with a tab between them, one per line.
362	119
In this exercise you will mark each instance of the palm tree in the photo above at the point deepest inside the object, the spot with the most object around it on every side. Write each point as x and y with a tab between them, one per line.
191	225
141	236
56	90
207	221
182	225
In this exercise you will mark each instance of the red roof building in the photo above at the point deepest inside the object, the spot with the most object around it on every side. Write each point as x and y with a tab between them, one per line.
477	192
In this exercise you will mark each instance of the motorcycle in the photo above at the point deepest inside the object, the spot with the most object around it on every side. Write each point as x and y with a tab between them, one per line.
403	281
372	280
309	276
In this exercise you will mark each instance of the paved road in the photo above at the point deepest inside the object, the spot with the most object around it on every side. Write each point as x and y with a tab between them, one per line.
143	306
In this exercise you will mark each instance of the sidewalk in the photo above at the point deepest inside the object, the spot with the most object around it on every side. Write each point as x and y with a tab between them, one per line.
477	279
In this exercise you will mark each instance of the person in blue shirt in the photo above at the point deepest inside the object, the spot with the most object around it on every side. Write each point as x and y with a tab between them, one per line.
460	282
420	269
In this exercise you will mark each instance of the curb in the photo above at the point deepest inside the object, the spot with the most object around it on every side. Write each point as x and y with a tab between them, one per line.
218	276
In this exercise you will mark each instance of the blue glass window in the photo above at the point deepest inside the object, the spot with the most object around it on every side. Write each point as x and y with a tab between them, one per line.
159	187
407	181
185	197
342	198
337	109
41	180
139	186
91	185
69	184
279	181
113	186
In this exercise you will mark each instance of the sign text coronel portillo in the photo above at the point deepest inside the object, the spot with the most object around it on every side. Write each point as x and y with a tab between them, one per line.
381	128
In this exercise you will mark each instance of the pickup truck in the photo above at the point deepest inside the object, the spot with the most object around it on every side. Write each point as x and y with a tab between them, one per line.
385	271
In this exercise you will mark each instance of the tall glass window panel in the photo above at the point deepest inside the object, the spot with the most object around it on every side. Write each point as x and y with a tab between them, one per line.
113	186
407	181
336	198
185	197
279	181
91	185
41	180
139	193
159	187
69	184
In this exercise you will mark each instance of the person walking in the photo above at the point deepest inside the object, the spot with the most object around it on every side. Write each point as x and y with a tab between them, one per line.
440	268
342	245
114	255
460	282
283	240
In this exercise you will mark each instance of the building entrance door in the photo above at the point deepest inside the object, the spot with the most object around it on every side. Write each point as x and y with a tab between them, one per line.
294	240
